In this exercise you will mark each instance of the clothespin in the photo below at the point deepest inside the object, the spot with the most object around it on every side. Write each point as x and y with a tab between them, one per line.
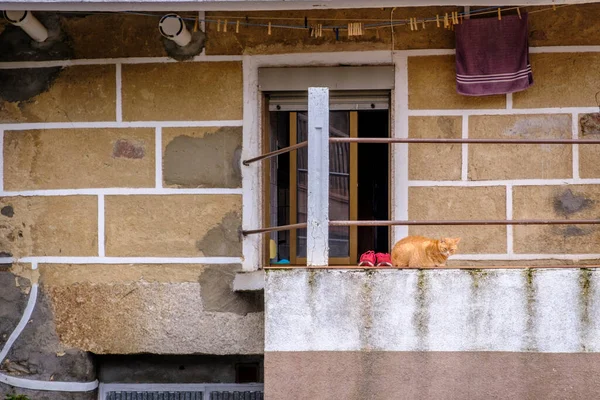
553	5
350	29
306	22
411	24
423	24
218	25
461	19
237	26
377	33
225	26
269	29
415	23
446	23
337	33
319	30
196	25
519	12
437	20
499	15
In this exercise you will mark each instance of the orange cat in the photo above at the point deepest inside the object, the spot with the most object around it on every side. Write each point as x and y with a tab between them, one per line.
419	251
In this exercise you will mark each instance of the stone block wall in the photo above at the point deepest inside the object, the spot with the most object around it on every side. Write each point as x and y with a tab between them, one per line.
121	197
121	183
488	181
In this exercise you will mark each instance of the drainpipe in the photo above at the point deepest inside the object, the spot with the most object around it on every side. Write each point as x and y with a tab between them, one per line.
30	24
172	27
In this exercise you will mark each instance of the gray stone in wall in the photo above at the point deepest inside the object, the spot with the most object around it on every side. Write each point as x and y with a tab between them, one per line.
45	395
542	310
38	354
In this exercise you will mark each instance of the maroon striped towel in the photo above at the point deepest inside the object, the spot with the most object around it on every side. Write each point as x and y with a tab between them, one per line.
492	56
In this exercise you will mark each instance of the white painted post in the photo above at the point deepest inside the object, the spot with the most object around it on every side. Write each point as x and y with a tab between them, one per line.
317	246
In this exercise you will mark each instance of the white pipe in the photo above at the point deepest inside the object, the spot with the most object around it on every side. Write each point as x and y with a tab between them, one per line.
30	24
172	27
24	320
31	383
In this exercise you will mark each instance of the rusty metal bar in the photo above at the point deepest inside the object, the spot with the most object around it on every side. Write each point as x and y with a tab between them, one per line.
275	228
434	223
473	141
422	140
275	153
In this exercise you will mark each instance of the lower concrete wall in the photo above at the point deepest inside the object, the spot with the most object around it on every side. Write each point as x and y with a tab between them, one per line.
353	375
432	334
545	310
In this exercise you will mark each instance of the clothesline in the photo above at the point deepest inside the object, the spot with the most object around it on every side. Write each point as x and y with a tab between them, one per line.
311	23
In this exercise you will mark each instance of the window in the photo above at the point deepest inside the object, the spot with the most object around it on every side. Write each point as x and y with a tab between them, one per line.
358	175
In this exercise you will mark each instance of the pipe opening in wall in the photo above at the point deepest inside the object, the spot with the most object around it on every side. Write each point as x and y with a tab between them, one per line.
172	27
30	24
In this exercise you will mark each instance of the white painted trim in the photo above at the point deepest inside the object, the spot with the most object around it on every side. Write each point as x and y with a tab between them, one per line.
317	229
399	159
113	124
509	101
30	383
464	174
525	257
252	201
575	148
110	61
122	191
1	160
565	49
22	323
509	217
260	58
122	260
502	111
244	5
516	182
158	157
119	100
378	57
101	226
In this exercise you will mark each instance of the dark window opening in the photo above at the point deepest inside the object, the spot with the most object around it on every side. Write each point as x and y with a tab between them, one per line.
358	185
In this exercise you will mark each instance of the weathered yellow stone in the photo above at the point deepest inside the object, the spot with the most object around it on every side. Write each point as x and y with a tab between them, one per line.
78	158
49	226
573	25
432	85
182	91
114	36
80	93
561	80
202	157
456	203
556	202
520	161
174	225
434	161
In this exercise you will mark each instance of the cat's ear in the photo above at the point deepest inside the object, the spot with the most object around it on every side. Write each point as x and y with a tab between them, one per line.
456	240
